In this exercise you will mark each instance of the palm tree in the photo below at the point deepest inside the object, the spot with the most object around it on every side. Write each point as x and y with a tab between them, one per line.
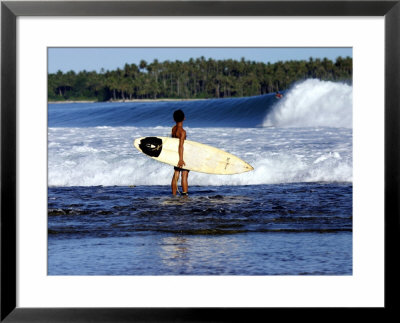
142	64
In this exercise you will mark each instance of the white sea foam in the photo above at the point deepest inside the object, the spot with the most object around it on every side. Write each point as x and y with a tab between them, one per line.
106	156
314	103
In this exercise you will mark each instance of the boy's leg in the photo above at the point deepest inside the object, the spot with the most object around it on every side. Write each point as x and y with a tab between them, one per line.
184	183
174	182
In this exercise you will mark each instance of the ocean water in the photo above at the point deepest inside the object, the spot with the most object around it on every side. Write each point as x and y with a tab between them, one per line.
111	212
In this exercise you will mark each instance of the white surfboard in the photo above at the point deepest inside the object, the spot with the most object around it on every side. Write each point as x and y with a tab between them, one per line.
198	157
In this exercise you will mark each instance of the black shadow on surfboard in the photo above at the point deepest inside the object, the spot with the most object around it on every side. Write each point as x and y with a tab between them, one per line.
151	146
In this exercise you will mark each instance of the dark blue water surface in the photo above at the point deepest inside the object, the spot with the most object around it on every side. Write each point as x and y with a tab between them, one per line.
238	112
285	229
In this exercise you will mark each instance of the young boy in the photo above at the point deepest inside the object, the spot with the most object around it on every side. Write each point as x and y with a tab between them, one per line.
180	133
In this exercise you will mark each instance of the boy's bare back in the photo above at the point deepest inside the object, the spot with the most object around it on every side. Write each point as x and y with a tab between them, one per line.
178	132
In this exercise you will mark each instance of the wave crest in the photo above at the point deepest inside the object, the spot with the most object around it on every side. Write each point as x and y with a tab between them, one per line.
314	103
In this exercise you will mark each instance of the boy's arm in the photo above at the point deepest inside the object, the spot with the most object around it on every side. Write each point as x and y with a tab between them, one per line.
182	137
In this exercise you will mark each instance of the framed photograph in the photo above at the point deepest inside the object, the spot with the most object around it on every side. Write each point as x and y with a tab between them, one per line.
297	207
245	200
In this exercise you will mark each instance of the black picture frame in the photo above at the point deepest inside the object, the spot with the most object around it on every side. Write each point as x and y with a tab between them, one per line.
10	10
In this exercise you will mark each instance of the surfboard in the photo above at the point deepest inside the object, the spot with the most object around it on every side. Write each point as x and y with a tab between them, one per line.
198	157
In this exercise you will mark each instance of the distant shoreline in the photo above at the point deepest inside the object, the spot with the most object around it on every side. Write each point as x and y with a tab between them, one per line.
122	101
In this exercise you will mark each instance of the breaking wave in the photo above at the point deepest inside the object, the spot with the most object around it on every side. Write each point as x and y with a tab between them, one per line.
314	103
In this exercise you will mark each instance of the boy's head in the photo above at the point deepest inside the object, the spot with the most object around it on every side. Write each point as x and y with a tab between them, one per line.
179	115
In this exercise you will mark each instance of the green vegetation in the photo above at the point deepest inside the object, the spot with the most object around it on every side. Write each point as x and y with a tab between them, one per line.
195	79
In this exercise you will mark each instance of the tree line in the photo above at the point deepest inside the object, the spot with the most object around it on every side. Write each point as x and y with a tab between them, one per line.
193	79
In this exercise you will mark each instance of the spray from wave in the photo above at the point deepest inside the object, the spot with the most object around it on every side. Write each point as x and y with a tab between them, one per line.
314	103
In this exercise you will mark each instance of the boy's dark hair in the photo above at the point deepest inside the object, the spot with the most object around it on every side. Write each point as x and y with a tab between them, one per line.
179	115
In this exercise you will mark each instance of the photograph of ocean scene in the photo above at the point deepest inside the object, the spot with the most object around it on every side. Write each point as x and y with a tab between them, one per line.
285	111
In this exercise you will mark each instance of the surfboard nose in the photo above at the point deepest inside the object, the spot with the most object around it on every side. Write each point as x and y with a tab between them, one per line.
249	168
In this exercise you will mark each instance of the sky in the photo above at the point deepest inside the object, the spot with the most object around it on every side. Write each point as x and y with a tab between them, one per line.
94	59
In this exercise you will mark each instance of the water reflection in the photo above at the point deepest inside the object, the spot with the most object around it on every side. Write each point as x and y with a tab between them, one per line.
187	254
174	253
